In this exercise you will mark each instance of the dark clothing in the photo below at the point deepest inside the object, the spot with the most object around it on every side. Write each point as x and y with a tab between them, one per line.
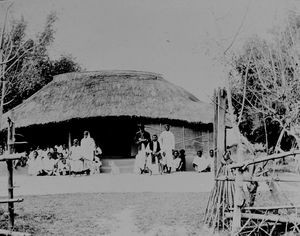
142	135
155	153
151	145
183	166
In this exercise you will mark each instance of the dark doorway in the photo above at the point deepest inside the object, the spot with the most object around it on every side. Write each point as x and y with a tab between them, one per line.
115	135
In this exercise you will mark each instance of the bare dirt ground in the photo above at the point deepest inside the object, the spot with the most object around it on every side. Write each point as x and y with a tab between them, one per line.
105	204
103	183
124	204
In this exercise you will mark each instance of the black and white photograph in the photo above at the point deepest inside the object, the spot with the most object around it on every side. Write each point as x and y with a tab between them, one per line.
150	117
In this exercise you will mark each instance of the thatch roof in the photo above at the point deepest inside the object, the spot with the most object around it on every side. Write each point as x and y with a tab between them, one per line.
110	93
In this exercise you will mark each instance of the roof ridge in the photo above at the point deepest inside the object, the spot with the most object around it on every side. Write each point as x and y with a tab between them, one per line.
65	76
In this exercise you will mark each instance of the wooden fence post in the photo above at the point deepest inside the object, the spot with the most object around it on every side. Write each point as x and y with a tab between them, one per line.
183	137
219	126
238	202
10	145
215	133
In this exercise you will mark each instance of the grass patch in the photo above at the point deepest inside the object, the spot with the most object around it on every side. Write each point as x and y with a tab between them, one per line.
96	214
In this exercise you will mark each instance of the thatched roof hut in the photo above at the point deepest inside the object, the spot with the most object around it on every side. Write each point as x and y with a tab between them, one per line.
110	93
110	104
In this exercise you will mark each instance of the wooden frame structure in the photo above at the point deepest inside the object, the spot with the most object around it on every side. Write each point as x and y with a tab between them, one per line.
262	220
226	208
219	127
9	158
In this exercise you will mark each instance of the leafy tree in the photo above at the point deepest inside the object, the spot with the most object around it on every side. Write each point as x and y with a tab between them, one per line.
265	87
25	65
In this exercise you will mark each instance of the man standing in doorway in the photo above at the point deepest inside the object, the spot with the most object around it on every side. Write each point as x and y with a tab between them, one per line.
142	138
153	155
167	144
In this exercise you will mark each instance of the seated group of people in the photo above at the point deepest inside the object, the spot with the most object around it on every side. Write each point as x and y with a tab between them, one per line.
81	158
48	161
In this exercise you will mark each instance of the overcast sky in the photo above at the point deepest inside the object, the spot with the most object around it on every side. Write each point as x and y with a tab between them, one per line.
176	38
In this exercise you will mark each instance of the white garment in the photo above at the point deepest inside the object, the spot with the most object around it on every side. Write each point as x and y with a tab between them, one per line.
167	144
59	149
201	162
62	166
49	164
76	153
175	163
75	162
140	159
88	147
98	151
167	140
33	166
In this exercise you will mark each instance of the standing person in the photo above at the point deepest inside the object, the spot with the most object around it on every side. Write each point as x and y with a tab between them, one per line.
153	152
167	144
88	147
212	163
142	138
76	162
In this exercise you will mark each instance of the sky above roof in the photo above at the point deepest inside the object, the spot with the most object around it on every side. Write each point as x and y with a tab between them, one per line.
177	38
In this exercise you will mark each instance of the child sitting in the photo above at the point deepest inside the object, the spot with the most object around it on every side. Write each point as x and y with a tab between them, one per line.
33	164
62	167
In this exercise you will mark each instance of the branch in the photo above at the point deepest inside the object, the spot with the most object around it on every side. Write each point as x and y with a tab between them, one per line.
244	164
238	30
6	103
244	93
4	25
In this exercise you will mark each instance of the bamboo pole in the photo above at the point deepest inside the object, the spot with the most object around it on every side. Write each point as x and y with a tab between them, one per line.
10	140
238	199
269	217
221	125
260	179
269	208
2	73
69	140
215	133
183	137
244	164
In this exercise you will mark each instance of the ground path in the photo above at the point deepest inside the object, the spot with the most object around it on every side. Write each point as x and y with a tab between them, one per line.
104	183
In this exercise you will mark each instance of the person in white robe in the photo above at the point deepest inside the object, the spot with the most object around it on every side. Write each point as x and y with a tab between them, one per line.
50	164
142	138
76	161
33	163
88	148
202	163
167	144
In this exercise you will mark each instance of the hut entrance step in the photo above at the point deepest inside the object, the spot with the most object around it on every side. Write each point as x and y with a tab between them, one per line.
124	165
